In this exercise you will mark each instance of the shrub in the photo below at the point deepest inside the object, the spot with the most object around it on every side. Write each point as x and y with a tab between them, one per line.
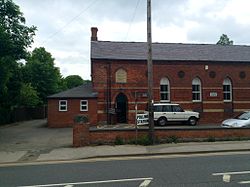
144	140
211	139
172	139
119	141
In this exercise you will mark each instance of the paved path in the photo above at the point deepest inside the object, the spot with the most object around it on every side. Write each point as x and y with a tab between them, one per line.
135	150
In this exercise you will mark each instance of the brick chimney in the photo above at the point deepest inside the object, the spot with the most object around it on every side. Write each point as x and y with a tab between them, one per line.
94	33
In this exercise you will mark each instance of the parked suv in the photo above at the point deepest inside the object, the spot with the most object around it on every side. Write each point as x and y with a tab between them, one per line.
168	112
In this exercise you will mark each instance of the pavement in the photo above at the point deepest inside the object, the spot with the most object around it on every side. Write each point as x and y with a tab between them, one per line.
33	141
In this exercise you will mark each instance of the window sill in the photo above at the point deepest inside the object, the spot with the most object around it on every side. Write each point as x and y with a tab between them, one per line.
164	101
227	101
197	101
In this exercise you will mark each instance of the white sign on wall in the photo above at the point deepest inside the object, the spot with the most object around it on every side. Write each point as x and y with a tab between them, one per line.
213	94
142	119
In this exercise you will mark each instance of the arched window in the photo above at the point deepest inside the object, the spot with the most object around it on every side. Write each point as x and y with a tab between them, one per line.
227	90
120	76
196	89
165	90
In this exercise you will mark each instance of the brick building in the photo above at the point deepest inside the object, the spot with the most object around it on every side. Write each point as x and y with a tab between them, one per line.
64	106
211	79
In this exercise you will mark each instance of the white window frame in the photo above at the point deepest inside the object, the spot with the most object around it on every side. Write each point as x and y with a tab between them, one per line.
197	82
84	105
227	82
165	82
60	105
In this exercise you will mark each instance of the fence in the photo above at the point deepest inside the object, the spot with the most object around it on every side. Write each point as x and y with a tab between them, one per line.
28	113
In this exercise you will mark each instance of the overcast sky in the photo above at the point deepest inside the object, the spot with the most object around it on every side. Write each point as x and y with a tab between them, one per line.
64	25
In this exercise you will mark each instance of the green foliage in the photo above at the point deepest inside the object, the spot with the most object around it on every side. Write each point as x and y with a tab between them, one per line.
211	139
81	119
40	71
119	141
144	140
15	37
28	96
73	81
10	82
30	84
224	40
172	139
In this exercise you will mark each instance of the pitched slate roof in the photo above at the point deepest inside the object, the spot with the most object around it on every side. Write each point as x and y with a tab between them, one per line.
169	51
83	91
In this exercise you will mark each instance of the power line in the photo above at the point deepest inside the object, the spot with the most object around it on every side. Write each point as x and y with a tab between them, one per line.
70	21
132	19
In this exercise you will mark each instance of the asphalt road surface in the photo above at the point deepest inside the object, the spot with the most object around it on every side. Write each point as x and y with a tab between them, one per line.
190	170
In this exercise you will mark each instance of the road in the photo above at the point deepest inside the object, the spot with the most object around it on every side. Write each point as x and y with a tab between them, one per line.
186	170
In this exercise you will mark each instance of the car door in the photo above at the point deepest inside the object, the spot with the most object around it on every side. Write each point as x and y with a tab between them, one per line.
167	112
178	113
157	112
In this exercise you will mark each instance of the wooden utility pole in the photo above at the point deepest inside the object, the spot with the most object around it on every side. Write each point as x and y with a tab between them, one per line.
150	75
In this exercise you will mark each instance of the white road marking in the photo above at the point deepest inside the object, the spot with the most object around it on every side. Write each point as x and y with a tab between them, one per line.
145	183
226	178
232	173
244	182
92	182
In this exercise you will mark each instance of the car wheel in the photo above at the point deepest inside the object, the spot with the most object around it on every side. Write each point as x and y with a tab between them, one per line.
162	121
192	121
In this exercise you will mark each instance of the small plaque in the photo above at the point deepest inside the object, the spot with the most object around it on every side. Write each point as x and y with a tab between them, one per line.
121	76
213	94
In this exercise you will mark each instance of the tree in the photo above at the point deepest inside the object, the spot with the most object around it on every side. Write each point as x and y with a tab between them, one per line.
73	81
224	40
10	84
28	96
15	36
41	72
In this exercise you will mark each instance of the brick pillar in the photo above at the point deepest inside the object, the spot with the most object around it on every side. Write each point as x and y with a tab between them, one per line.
80	134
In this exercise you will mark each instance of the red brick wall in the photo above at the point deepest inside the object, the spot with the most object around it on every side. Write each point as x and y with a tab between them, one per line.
181	88
80	134
109	136
58	118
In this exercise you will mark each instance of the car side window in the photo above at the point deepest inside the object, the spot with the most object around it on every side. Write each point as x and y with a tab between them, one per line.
166	108
177	109
158	108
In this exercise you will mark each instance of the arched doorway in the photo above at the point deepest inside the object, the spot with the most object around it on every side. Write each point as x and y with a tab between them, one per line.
121	103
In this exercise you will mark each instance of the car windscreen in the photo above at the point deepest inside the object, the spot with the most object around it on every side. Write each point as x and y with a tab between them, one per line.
243	116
